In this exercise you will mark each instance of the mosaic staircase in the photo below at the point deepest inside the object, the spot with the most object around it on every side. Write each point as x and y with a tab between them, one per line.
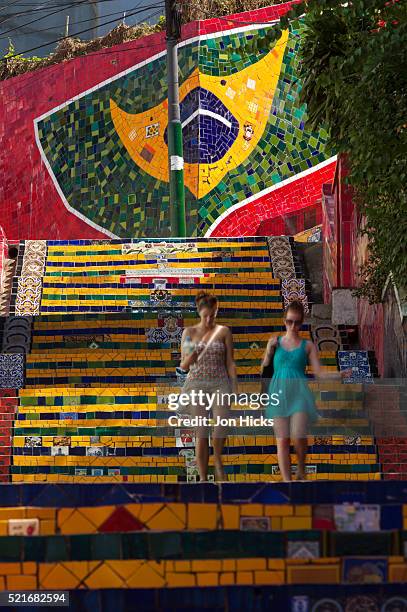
107	321
102	483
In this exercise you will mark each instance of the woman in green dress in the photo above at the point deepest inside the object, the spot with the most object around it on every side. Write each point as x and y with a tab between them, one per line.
295	408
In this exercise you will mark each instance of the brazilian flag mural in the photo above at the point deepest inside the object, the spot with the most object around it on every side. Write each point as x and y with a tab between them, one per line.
243	131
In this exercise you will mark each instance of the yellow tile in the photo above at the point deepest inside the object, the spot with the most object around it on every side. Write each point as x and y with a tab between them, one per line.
150	575
165	520
47	528
63	514
3	528
278	510
77	523
202	516
180	510
80	569
294	522
244	578
97	514
251	564
251	509
29	567
146	511
228	565
207	565
103	577
7	569
230	516
22	583
207	579
267	577
182	566
125	569
56	574
12	513
301	510
276	564
226	578
309	574
180	580
398	572
41	513
275	523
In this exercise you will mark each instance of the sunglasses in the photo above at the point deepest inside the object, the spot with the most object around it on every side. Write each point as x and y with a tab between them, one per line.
295	322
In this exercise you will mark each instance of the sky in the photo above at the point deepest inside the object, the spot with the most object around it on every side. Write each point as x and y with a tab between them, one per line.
38	23
111	6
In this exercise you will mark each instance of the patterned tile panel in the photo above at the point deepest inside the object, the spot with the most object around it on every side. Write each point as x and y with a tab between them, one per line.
281	257
35	253
293	289
28	300
12	370
358	362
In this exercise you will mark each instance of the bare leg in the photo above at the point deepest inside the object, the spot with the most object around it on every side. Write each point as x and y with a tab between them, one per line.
220	410
218	444
202	456
284	459
281	430
299	422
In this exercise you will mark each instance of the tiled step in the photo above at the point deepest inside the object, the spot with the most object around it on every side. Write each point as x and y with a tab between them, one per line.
92	277
8	408
158	536
123	434
138	346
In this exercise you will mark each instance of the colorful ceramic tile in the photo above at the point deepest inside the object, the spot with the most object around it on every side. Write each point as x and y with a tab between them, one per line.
28	299
300	603
293	289
35	252
32	441
364	570
355	517
23	527
12	370
281	257
302	549
159	248
170	331
254	523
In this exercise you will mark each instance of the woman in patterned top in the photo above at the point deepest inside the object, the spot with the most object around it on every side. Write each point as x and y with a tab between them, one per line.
207	354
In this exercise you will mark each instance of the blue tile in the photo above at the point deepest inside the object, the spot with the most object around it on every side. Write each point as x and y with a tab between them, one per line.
391	516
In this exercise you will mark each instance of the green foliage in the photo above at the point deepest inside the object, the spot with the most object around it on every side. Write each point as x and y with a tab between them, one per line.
353	66
13	63
11	54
